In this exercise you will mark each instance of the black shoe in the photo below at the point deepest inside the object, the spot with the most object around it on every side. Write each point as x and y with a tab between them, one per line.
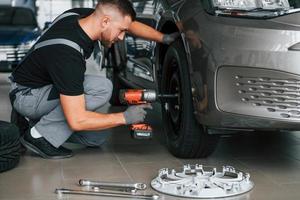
43	148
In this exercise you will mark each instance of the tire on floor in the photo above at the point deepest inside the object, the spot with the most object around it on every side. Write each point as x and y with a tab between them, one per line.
9	146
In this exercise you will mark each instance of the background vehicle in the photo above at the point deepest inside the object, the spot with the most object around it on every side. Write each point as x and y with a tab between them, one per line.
18	31
235	67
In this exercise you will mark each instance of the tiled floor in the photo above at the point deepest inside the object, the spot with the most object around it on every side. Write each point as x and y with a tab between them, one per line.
273	160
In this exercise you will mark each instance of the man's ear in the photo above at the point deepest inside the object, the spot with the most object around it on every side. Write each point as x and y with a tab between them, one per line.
105	22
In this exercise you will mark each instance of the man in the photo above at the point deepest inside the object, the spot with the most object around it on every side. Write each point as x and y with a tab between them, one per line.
49	85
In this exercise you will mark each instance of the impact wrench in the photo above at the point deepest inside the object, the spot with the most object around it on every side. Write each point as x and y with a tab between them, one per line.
141	96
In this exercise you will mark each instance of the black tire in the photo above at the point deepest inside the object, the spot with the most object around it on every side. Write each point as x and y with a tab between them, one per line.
19	121
9	146
186	138
117	86
117	62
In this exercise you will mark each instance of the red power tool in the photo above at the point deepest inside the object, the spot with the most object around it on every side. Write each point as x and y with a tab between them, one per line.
141	96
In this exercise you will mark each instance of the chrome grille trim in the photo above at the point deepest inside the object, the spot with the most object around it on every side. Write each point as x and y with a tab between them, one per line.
259	92
14	53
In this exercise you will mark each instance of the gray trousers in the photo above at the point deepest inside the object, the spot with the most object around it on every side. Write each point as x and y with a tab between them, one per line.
52	124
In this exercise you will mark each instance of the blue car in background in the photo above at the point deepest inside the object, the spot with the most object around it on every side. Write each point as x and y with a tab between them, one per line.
18	31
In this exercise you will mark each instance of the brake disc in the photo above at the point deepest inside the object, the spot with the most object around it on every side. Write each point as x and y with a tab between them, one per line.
198	181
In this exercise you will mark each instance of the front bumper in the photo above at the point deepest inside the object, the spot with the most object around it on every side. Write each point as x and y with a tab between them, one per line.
11	55
258	92
252	78
270	97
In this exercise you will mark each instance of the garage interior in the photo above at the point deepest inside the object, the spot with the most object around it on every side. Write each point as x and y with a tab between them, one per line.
271	159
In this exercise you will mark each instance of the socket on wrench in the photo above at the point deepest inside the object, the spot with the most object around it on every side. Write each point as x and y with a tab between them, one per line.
62	191
129	186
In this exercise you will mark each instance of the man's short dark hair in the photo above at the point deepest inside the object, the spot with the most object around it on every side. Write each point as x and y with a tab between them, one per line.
125	7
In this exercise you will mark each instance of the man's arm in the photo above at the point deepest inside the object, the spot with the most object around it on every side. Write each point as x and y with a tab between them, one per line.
147	32
144	31
80	119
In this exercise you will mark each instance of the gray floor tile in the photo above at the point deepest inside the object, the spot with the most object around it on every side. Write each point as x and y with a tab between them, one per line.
280	170
291	190
142	153
30	161
89	157
263	186
94	171
29	183
5	106
145	172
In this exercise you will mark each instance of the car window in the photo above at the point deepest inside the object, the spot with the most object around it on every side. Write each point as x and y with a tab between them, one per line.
16	16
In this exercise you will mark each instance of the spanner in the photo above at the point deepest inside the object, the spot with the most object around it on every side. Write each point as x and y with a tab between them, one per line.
130	186
120	189
62	191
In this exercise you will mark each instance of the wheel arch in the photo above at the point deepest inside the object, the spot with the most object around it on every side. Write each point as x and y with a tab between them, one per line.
170	26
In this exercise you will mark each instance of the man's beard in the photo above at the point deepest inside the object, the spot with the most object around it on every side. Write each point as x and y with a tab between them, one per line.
106	39
107	44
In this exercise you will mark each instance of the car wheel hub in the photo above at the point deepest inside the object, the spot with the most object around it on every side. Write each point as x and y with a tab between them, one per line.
174	103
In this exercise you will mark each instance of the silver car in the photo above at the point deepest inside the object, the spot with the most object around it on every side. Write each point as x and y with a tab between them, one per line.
236	66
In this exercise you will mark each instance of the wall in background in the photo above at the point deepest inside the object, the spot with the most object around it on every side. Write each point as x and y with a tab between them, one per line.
49	9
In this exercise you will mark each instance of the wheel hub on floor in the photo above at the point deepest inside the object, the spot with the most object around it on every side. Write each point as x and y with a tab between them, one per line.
198	181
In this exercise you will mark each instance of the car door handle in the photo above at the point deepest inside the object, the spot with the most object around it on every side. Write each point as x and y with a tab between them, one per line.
295	47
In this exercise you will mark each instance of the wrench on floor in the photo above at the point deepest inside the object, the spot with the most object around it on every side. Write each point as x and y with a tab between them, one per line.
129	186
120	189
62	191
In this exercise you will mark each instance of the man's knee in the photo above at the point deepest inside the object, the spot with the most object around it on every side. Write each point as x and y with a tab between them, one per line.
109	88
98	85
98	90
105	89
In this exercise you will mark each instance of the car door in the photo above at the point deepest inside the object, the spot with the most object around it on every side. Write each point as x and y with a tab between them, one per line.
139	67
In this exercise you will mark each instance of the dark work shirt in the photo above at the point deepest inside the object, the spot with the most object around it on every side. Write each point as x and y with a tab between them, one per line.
58	64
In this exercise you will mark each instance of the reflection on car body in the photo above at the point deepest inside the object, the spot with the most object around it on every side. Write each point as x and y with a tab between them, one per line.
235	67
